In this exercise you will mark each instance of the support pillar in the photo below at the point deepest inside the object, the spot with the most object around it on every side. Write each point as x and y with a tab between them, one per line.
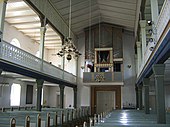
154	10
158	70
137	102
61	96
75	97
39	93
63	66
138	54
140	97
3	4
146	82
42	36
154	15
143	33
1	71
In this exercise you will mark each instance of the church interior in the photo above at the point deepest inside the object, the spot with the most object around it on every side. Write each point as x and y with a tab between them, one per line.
84	63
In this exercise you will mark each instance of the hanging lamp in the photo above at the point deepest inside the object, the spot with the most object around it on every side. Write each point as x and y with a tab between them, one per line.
69	49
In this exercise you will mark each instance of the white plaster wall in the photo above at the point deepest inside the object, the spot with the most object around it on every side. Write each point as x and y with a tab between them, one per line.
23	93
52	96
45	95
128	90
26	43
83	92
5	98
69	97
83	95
70	66
56	60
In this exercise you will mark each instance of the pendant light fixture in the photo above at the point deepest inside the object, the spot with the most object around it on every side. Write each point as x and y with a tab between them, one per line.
90	54
69	49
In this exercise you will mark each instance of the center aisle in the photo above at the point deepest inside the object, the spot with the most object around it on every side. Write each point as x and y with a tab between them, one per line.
131	118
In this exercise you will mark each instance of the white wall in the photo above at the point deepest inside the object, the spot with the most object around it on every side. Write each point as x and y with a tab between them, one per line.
27	44
83	93
56	60
52	96
5	98
45	95
70	66
69	97
128	90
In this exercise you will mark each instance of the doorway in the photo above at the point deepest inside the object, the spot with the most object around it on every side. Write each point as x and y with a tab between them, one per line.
105	101
116	94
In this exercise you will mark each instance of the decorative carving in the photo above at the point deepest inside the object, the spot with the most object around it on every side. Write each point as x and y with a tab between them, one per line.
99	77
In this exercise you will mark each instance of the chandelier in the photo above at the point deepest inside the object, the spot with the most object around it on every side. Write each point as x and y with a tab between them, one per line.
69	49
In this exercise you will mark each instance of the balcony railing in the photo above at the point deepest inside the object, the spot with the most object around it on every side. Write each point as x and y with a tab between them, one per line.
107	77
161	24
17	56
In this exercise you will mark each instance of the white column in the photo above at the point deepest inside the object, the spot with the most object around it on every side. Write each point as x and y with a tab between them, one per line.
154	10
154	15
3	4
63	62
139	53
136	62
143	33
42	37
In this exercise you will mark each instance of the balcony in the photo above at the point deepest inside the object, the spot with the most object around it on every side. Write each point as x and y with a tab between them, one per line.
161	37
102	77
16	57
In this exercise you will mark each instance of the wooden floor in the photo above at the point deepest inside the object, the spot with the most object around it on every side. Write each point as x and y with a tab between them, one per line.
131	118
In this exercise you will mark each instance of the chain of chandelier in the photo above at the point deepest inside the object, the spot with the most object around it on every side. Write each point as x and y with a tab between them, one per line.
69	48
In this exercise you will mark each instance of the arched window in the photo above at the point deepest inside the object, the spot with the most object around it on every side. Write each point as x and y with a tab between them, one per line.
37	54
15	42
15	94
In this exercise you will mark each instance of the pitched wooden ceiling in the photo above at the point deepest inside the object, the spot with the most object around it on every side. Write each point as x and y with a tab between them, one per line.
118	12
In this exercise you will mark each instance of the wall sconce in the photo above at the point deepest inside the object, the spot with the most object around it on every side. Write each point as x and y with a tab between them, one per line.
151	48
129	65
151	40
82	67
150	31
150	22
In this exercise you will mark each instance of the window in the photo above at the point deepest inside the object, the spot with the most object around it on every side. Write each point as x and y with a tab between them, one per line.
29	94
15	94
117	67
37	54
42	97
15	42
